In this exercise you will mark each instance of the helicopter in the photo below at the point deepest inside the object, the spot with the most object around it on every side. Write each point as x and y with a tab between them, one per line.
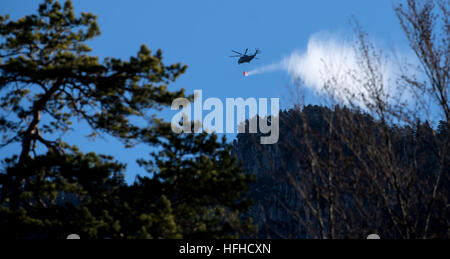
244	58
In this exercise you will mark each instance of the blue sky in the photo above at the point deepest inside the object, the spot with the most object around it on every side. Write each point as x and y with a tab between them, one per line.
201	33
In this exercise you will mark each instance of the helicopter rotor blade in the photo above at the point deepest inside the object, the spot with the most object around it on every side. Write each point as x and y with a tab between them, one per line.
235	56
237	52
245	53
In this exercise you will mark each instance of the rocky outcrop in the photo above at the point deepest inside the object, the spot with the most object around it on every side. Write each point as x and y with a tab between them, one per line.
278	208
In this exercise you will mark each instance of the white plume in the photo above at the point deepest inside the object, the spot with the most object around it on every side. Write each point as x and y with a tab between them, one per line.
329	56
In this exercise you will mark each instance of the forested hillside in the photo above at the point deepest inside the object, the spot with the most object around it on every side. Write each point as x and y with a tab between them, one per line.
333	173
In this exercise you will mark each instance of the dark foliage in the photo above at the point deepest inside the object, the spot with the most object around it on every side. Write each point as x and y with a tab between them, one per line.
347	172
47	80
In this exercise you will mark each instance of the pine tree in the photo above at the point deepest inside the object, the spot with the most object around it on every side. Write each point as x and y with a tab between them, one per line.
48	79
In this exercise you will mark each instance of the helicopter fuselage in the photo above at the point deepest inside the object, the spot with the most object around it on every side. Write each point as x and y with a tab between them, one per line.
245	59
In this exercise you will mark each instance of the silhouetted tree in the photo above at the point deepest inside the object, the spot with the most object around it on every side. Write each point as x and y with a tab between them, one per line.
48	79
373	164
